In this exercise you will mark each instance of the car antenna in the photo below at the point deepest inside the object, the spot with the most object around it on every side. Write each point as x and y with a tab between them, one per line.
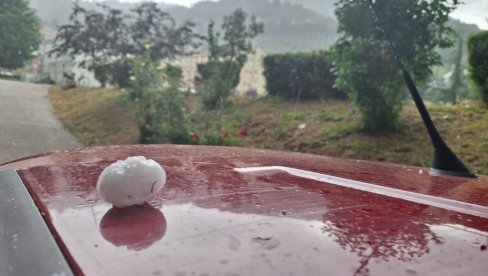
445	162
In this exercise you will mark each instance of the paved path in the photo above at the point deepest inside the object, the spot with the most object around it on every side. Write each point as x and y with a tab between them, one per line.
27	123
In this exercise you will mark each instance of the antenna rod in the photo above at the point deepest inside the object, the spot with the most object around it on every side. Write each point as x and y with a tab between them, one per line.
445	162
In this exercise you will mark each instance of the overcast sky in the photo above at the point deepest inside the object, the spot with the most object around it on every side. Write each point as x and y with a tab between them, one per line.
472	11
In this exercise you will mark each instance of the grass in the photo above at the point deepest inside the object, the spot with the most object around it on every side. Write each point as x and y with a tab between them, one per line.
102	116
96	116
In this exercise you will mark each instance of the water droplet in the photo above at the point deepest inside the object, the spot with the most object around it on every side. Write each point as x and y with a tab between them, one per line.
267	243
410	272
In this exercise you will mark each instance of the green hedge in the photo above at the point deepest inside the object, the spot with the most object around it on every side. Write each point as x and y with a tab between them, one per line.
301	75
478	62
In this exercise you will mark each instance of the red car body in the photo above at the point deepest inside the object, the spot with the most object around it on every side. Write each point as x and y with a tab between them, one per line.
239	211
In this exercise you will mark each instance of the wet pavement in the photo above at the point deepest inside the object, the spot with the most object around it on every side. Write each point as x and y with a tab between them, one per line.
28	125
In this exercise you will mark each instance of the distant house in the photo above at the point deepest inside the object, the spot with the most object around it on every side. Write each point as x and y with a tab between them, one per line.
252	81
53	67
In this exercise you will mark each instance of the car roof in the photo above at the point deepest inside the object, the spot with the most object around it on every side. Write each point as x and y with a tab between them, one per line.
240	211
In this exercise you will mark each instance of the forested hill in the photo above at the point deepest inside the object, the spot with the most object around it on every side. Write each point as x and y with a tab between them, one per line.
56	12
323	7
287	27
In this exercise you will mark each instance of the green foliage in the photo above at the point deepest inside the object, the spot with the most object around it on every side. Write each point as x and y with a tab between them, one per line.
19	33
216	89
212	128
226	70
300	76
221	73
478	62
160	108
366	67
107	38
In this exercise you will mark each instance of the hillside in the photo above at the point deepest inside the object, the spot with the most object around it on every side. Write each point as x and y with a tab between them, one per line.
323	7
323	128
288	27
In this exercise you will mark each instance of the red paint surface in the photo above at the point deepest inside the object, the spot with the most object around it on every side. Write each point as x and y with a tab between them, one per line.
211	220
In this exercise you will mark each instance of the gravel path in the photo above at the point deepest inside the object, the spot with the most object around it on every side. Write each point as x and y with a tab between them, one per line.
27	123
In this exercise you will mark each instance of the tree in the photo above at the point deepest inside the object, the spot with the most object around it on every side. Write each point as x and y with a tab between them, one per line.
19	33
221	73
366	66
107	39
478	62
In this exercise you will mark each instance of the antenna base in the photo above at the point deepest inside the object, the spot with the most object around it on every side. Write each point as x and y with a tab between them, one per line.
446	163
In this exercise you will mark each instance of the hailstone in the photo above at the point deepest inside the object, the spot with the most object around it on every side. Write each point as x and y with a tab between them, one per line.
133	181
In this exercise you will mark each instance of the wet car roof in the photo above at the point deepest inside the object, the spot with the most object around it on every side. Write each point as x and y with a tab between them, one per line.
215	218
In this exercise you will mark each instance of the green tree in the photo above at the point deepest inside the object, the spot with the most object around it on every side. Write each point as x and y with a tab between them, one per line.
478	62
221	73
366	66
107	39
19	33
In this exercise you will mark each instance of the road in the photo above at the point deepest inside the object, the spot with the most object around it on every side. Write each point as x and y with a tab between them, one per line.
27	123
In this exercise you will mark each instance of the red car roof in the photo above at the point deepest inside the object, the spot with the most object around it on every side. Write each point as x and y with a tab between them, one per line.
299	215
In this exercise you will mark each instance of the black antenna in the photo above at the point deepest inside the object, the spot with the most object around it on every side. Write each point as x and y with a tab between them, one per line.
445	162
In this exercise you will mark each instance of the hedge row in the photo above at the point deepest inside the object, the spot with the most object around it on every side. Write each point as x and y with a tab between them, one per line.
301	76
478	62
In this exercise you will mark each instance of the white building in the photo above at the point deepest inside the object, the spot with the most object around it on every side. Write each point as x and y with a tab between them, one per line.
54	67
252	81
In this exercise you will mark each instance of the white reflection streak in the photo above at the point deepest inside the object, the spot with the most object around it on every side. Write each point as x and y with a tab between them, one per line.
439	202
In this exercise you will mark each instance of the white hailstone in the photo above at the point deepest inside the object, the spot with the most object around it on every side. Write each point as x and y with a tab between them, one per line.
132	181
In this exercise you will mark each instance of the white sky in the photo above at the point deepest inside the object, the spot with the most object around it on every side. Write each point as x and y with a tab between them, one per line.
472	11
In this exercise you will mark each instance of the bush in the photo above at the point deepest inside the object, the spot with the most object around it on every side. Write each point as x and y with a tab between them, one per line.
162	117
374	85
219	78
300	75
478	62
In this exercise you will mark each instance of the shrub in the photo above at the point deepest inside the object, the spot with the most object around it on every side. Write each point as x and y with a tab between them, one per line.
300	75
478	62
378	101
160	108
218	79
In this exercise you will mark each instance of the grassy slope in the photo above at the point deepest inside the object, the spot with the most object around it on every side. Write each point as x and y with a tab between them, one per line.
331	128
96	116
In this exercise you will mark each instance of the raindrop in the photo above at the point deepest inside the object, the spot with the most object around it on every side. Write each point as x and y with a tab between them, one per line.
410	272
267	243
